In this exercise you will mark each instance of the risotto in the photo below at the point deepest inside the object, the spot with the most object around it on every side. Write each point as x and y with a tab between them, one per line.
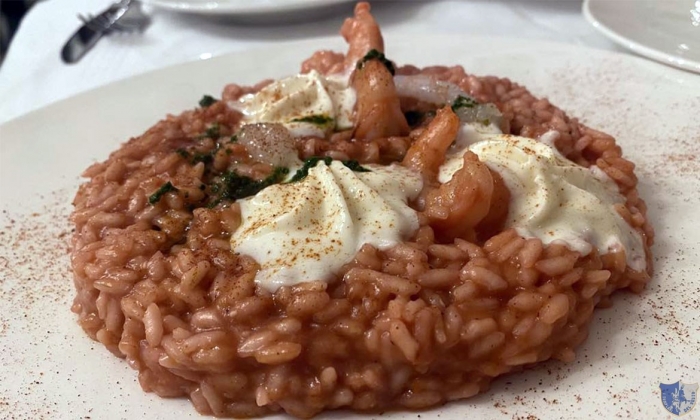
360	236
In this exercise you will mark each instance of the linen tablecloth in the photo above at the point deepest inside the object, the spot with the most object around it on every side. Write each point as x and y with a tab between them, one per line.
33	74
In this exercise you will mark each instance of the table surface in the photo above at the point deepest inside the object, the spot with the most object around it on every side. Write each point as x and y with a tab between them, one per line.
33	74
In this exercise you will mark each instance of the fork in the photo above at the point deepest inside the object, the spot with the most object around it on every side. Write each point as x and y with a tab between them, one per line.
122	16
127	16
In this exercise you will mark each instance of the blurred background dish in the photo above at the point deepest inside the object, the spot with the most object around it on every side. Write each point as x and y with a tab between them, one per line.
248	8
667	31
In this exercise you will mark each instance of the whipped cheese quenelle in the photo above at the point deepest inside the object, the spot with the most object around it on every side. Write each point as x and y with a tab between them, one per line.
552	198
306	230
308	104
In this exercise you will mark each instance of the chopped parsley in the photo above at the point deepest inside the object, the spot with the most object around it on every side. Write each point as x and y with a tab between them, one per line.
485	121
233	139
164	189
203	157
309	163
376	55
212	132
463	102
207	100
232	186
196	157
315	119
355	166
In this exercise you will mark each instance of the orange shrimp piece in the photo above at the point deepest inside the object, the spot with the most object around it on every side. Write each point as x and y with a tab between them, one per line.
494	221
378	109
457	206
362	34
427	153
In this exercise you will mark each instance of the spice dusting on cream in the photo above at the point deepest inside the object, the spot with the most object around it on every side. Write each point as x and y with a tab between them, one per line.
306	230
552	198
308	104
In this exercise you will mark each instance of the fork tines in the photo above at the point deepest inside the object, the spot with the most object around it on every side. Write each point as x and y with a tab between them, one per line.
102	23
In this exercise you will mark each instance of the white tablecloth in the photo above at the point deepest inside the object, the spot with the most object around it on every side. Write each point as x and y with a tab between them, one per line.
33	74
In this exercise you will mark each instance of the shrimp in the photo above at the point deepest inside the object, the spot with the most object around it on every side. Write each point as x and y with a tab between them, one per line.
457	206
428	89
427	153
362	34
494	221
378	109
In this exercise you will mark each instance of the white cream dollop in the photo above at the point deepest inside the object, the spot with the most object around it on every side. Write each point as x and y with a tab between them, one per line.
553	198
302	96
307	230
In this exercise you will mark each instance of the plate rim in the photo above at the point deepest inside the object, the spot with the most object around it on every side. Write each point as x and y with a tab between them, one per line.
516	42
636	47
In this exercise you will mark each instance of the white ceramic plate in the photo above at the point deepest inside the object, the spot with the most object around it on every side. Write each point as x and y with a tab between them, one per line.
51	369
243	8
663	30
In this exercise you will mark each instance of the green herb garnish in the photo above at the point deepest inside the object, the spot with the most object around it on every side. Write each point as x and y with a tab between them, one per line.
183	153
463	102
164	189
207	100
309	163
376	55
355	166
485	121
203	157
232	186
212	132
315	119
233	139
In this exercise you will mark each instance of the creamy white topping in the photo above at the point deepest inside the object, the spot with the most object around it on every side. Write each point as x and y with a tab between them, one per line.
307	230
552	198
302	96
469	134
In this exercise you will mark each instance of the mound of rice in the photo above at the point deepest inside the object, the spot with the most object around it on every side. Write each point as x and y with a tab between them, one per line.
414	326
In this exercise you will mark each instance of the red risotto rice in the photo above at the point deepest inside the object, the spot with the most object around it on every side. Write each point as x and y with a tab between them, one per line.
430	320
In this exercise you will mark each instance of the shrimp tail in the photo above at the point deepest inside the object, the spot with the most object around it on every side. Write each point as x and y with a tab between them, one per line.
456	207
378	108
495	219
362	34
427	153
